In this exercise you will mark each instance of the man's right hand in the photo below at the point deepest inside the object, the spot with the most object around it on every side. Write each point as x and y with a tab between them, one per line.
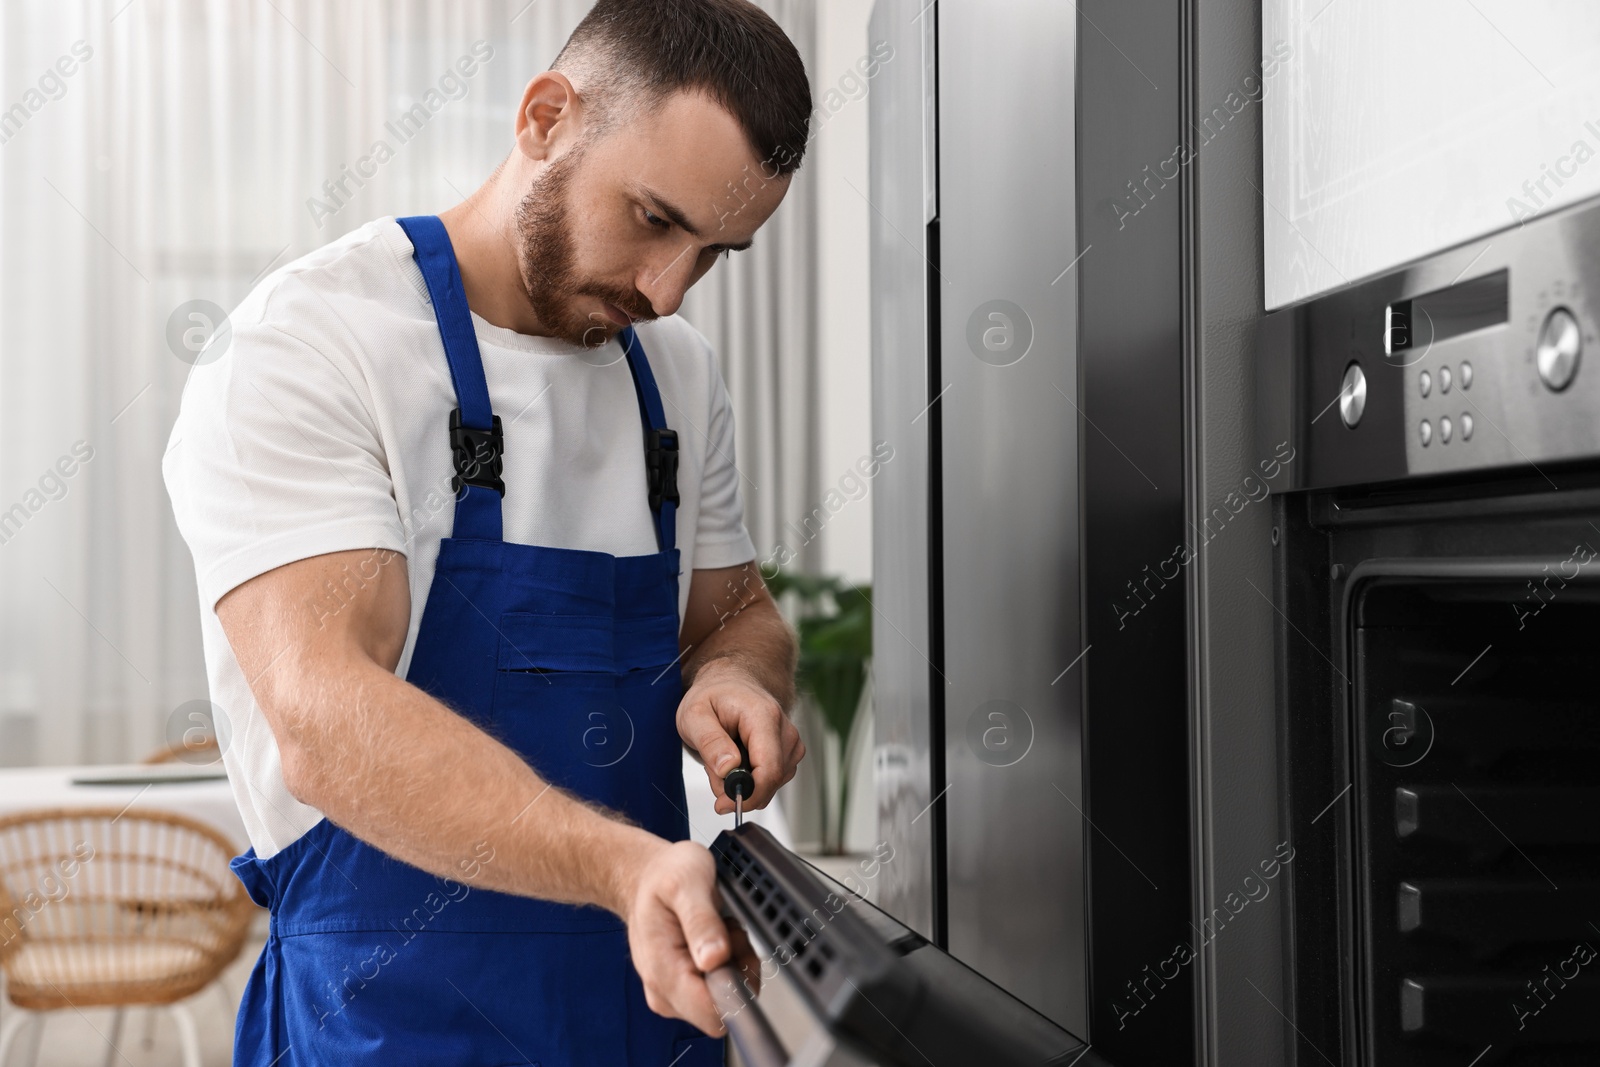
676	933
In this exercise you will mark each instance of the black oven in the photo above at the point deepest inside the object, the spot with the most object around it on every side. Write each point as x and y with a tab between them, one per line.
1438	664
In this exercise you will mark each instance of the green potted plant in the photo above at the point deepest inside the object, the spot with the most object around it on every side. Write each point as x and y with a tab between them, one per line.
834	621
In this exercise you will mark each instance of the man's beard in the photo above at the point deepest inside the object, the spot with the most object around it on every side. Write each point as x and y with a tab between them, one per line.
546	260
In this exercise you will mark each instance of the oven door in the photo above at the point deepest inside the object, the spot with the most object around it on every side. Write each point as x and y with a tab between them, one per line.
1475	822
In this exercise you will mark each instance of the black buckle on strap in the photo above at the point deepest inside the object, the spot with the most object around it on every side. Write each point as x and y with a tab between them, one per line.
661	466
478	455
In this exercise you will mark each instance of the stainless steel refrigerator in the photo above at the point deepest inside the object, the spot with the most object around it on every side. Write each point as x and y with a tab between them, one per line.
1029	661
1149	282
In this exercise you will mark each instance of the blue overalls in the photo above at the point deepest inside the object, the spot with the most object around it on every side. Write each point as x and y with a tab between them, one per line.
568	657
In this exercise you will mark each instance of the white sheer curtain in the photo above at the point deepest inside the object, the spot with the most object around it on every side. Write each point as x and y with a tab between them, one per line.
156	152
762	319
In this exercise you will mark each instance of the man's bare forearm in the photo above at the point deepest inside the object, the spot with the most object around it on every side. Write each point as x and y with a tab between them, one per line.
751	636
404	773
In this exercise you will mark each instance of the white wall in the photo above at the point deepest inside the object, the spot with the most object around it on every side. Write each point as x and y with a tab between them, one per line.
844	308
837	162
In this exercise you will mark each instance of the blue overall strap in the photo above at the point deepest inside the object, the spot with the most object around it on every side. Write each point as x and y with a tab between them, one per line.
475	433
660	443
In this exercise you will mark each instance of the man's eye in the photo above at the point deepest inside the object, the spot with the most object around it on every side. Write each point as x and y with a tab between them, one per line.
655	220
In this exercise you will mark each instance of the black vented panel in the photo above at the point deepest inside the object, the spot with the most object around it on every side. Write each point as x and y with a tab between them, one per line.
873	982
1477	741
848	975
781	921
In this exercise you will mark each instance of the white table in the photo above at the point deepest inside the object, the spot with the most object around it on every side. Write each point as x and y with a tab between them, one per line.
198	792
211	801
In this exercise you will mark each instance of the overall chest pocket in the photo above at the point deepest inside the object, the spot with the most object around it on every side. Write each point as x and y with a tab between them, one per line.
590	703
585	644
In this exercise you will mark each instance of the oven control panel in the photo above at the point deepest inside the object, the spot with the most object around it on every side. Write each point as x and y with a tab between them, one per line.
1471	360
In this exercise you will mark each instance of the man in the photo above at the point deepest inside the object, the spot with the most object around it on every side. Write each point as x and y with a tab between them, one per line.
440	492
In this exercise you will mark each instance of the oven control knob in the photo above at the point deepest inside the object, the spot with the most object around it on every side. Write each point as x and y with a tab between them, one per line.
1560	346
1353	395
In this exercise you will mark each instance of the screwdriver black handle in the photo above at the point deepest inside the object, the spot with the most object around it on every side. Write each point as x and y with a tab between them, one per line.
739	782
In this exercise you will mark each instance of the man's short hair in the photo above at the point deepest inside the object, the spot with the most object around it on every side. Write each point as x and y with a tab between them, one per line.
627	56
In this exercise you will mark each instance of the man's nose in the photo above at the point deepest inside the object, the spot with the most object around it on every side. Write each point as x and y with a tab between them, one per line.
663	284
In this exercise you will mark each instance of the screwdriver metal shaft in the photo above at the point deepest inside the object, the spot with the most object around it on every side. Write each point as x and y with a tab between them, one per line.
739	783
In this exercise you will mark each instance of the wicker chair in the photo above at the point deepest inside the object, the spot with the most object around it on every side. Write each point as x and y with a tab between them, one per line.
100	907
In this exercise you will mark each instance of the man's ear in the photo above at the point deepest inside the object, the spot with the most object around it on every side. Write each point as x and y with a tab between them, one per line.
551	112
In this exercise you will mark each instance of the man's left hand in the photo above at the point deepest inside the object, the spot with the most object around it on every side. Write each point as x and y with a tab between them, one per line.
724	702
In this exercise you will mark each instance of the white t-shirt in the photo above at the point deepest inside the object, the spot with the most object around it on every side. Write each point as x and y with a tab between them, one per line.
323	427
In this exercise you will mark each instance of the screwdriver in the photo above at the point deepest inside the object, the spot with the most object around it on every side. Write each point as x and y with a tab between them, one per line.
739	783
